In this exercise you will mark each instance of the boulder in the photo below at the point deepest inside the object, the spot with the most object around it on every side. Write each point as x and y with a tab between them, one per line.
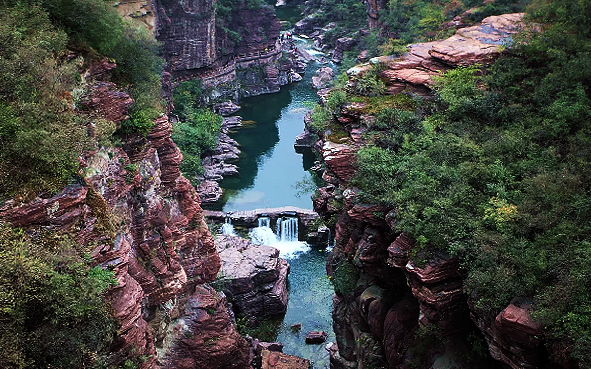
279	360
294	77
226	108
304	140
340	159
478	44
315	337
323	78
341	45
252	276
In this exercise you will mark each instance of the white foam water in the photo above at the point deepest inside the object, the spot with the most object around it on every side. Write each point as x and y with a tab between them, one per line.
286	239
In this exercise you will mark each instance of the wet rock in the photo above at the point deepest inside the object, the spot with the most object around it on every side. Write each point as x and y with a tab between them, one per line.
399	326
323	78
304	140
226	108
253	277
209	191
315	337
294	77
279	360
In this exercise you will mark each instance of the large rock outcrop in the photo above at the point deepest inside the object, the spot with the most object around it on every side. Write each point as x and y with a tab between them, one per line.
386	290
414	71
253	277
235	52
141	218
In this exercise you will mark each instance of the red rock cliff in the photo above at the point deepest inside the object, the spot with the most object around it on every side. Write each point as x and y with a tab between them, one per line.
143	219
382	296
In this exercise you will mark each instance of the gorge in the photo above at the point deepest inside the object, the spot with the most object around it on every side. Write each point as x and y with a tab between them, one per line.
450	161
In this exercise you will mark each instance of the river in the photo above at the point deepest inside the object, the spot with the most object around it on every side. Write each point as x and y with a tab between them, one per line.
270	173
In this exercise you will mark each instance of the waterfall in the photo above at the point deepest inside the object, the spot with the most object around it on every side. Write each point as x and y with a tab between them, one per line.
227	227
287	229
264	222
285	238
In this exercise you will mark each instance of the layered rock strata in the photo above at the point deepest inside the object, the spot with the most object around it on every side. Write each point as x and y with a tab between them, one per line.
253	277
141	218
382	295
235	52
216	163
414	71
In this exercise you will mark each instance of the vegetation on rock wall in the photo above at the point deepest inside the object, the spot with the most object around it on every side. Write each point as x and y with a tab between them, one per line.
52	314
43	47
198	129
497	170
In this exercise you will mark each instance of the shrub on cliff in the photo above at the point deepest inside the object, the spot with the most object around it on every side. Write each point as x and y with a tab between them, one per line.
51	313
500	175
196	132
40	134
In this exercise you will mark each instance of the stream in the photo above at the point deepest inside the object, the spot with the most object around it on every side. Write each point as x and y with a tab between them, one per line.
271	173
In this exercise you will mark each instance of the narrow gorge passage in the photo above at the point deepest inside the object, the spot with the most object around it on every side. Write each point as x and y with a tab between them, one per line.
271	174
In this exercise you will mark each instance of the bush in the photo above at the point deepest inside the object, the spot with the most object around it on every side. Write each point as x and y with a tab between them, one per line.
40	135
52	311
194	137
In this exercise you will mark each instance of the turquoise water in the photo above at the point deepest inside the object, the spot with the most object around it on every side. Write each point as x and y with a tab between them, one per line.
310	304
270	169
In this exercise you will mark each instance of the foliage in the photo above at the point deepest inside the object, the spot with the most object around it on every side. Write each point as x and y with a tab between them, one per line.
139	68
41	132
47	290
369	84
40	135
196	133
422	20
498	172
344	278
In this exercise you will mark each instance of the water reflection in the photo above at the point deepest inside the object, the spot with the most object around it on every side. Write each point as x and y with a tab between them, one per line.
269	167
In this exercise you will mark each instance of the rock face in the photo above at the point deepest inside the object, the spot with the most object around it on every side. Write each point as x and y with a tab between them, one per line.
383	296
235	53
341	45
279	360
215	163
253	277
144	221
415	70
323	78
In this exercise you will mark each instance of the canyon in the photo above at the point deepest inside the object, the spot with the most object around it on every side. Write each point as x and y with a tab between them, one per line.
179	286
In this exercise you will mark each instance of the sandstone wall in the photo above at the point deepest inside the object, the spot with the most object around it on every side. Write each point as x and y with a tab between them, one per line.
235	55
382	295
142	218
